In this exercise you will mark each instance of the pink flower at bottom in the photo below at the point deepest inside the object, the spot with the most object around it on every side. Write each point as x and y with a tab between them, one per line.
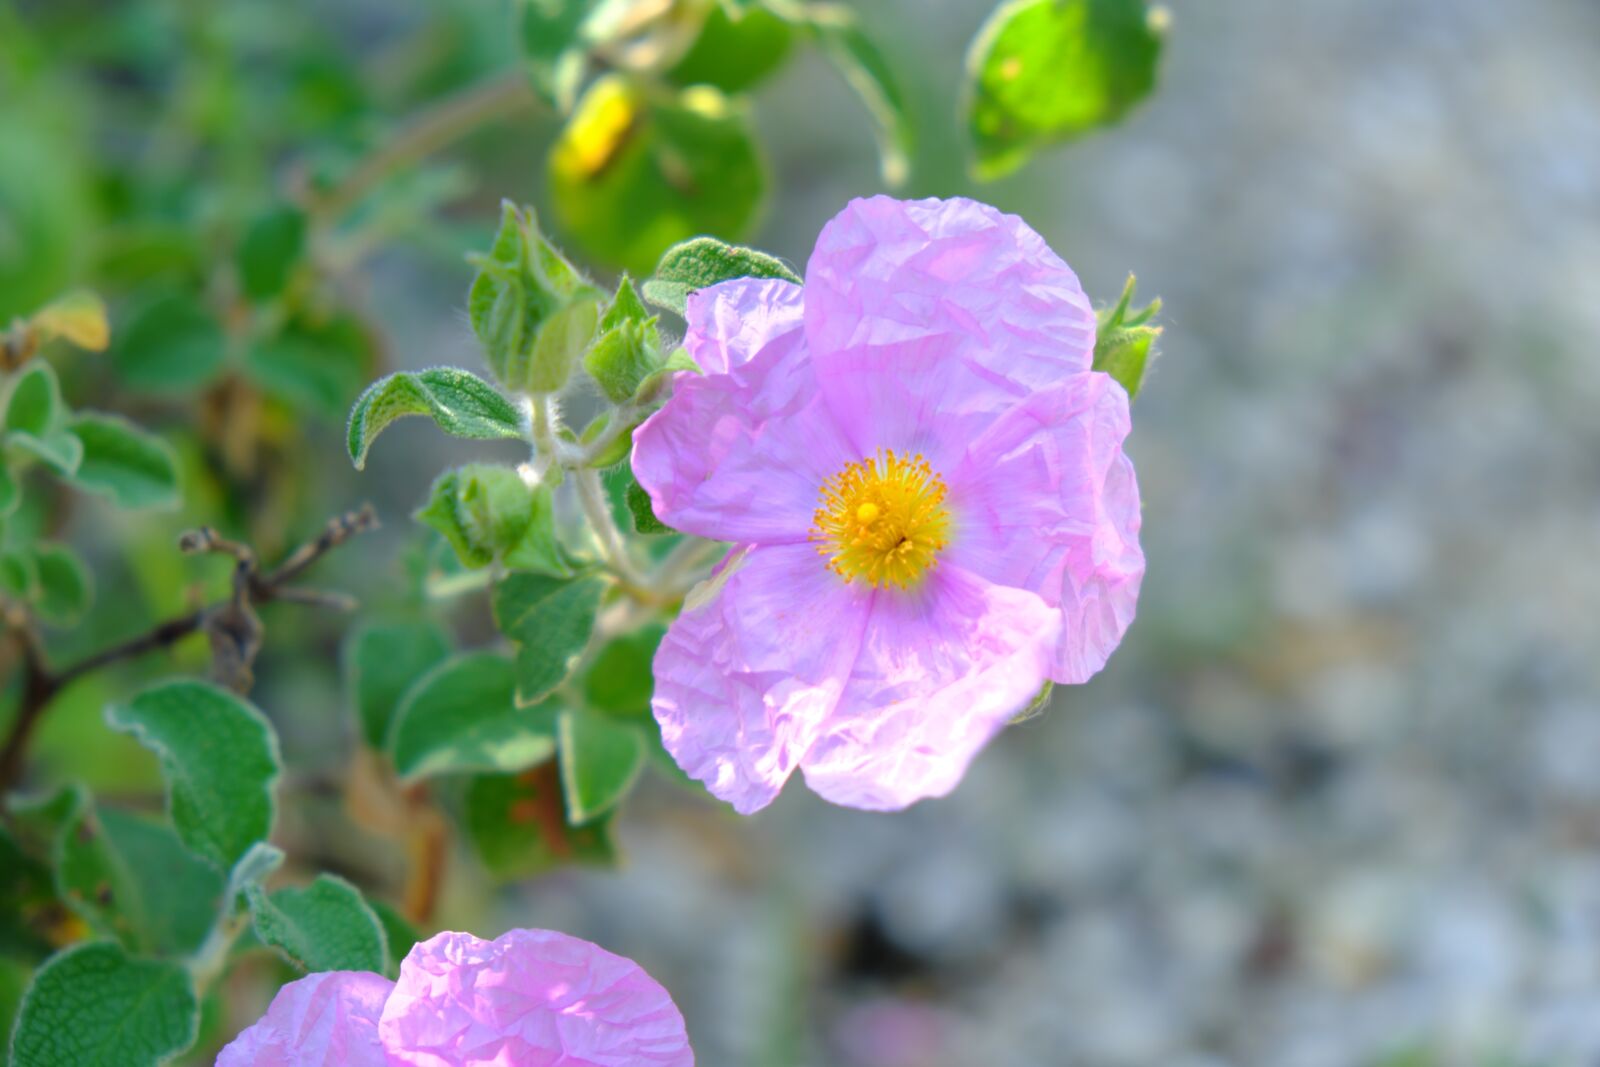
926	484
533	998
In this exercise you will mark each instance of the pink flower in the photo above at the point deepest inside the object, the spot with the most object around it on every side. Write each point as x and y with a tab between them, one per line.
534	998
927	488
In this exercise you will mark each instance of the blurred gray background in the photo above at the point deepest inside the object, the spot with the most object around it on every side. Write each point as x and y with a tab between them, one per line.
1335	802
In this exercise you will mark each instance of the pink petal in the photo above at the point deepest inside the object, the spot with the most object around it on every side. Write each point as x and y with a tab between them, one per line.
328	1018
950	291
741	456
729	323
752	666
1047	501
533	998
942	669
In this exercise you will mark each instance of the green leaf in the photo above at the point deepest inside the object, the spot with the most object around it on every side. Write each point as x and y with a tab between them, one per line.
521	283
1045	71
703	262
271	246
34	403
463	716
1035	707
623	358
58	449
561	342
550	619
552	42
327	926
600	760
625	306
19	577
1125	340
637	169
734	50
620	681
10	491
488	513
459	403
858	59
173	343
313	367
64	584
28	903
219	756
643	512
131	879
133	468
519	826
381	664
95	1006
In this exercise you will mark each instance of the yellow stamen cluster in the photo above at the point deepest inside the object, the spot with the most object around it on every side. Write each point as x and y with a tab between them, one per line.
883	519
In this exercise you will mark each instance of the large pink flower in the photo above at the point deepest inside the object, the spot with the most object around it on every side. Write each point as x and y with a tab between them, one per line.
926	483
534	998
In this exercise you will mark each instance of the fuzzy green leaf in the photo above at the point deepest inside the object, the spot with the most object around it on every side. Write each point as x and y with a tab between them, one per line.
34	403
95	1006
550	620
59	449
619	682
463	716
64	588
705	261
219	756
327	926
459	403
519	826
1125	340
271	246
489	513
382	662
600	760
133	468
173	343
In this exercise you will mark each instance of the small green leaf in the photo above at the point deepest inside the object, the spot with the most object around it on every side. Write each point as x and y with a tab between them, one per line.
636	169
463	716
461	404
173	343
623	358
131	879
625	306
10	491
1045	71
735	50
562	340
600	759
643	512
313	367
553	44
271	246
620	680
34	404
550	619
133	468
64	589
858	59
705	261
1035	707
327	926
488	513
59	449
1125	340
19	576
95	1006
219	756
519	826
381	664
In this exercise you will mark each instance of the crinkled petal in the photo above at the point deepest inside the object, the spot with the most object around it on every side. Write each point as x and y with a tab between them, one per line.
752	666
966	305
730	322
941	670
534	998
329	1018
1047	501
741	456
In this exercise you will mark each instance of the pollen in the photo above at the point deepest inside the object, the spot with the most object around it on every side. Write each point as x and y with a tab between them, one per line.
883	520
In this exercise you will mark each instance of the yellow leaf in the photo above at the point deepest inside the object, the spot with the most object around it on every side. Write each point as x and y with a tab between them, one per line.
80	317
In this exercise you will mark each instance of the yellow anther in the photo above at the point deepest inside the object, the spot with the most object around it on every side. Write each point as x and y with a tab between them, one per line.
883	519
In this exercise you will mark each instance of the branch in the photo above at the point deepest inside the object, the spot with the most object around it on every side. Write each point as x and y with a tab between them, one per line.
231	625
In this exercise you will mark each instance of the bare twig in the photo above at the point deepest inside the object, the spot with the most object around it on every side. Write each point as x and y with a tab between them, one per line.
231	625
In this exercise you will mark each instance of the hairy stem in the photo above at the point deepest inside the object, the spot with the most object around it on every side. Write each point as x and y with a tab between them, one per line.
592	497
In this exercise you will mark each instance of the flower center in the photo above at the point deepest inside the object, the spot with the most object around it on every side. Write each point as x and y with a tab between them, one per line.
882	519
